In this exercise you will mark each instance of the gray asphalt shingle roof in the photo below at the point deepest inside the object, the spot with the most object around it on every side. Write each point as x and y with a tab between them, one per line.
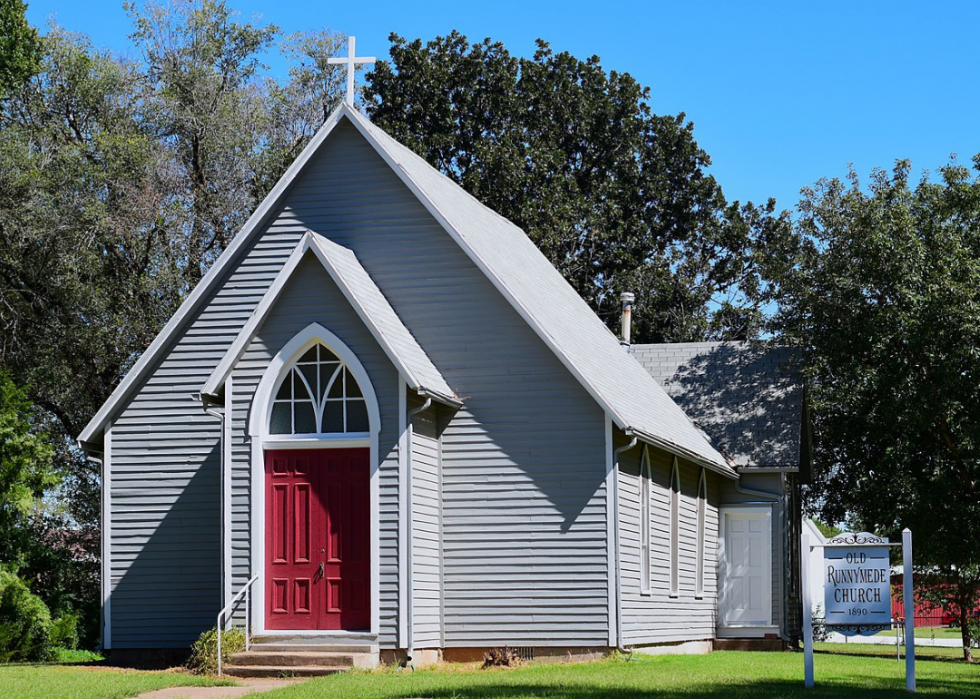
541	295
747	398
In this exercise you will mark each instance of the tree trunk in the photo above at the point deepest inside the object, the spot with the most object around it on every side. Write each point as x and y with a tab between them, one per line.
965	632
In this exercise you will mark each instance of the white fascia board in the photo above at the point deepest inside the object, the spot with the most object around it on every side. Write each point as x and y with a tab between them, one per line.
234	353
674	450
433	209
137	373
366	318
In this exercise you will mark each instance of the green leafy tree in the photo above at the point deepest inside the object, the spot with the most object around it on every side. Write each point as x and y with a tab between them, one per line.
20	48
120	182
616	197
882	297
26	471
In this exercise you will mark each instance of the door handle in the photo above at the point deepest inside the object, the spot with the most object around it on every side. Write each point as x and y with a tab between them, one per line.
320	570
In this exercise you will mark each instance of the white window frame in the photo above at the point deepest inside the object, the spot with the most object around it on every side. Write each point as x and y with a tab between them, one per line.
646	509
702	514
674	491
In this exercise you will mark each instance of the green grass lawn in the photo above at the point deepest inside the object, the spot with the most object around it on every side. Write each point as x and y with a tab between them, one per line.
842	672
921	652
87	682
720	675
927	632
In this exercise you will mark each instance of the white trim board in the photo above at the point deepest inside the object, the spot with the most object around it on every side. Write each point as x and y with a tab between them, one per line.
612	580
404	444
227	425
107	541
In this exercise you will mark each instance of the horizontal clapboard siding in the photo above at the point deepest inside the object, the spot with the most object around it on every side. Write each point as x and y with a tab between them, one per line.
426	532
523	462
311	296
658	617
524	547
165	575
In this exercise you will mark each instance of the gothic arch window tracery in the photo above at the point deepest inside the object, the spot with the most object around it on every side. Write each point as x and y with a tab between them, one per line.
318	395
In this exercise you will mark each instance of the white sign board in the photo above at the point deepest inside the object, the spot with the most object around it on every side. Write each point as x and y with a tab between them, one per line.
857	591
857	586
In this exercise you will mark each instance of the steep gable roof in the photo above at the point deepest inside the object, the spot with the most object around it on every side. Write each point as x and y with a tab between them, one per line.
415	367
566	323
628	394
748	399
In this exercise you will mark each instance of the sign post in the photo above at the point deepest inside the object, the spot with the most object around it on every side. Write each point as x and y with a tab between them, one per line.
857	592
807	610
909	595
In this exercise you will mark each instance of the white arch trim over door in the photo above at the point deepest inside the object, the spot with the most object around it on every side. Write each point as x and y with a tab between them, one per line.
262	439
312	334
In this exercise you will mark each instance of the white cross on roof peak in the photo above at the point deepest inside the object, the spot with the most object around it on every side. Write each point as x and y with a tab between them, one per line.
351	62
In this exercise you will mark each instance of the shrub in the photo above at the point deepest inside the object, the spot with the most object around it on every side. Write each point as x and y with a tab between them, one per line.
204	652
501	657
973	628
25	622
64	632
820	632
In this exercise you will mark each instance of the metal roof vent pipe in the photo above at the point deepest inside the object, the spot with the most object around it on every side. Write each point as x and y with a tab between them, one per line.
626	299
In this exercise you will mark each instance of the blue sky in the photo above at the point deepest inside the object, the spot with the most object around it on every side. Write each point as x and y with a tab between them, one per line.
780	93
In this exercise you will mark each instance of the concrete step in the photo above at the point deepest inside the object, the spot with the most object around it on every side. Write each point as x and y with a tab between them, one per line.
349	648
262	656
272	671
355	639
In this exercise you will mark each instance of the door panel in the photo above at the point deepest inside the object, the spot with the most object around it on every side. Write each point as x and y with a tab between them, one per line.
746	595
318	539
347	555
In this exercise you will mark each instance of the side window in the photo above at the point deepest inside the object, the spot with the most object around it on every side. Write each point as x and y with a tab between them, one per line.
318	395
675	496
702	513
645	523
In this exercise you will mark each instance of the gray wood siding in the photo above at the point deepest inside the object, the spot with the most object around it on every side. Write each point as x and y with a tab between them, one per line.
523	463
166	523
768	483
427	532
657	617
311	296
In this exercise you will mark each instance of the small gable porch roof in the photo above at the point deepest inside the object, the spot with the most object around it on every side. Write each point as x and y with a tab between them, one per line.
414	366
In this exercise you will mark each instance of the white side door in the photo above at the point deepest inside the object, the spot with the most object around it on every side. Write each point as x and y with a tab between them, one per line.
746	575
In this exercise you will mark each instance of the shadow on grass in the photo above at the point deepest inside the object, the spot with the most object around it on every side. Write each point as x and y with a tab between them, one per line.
923	656
952	689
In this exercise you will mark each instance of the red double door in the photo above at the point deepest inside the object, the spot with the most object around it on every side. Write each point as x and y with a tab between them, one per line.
318	551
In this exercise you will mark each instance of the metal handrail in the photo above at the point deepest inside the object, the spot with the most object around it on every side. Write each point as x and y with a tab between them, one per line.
227	608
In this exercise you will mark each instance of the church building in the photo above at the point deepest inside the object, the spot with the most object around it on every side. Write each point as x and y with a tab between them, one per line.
383	417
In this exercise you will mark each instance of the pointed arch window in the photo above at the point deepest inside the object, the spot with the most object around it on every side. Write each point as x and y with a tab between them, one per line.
645	521
702	513
319	395
675	506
